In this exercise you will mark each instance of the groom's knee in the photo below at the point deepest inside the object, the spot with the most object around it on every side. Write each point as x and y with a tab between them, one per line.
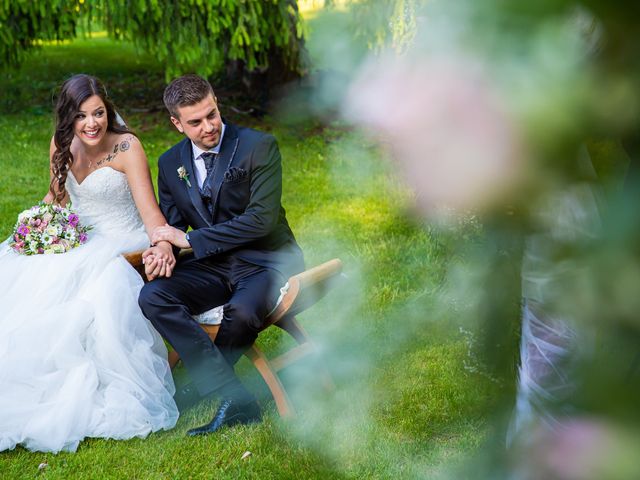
149	298
241	320
243	315
239	329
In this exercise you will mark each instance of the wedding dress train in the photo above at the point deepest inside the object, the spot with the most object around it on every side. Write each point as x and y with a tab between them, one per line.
77	357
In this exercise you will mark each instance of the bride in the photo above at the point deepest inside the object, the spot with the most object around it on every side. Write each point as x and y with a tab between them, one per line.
78	358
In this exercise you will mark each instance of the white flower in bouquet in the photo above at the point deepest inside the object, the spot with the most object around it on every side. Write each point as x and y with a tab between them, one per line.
52	230
70	235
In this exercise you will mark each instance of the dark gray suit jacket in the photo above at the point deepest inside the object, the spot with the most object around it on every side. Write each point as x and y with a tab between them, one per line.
248	220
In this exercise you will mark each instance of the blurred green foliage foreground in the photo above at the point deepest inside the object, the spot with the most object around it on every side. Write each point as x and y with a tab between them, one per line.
511	110
406	404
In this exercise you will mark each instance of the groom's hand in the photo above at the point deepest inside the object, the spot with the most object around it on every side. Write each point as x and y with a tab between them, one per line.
170	234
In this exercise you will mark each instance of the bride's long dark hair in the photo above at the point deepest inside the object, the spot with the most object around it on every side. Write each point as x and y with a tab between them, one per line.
73	93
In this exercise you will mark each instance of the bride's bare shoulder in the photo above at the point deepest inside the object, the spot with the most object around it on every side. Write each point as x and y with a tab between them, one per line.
130	153
126	142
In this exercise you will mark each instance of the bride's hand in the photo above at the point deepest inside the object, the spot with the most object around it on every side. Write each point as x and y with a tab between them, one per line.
159	261
152	267
164	251
170	234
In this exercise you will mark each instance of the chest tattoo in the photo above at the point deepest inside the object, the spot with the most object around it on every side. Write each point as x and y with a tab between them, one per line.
122	146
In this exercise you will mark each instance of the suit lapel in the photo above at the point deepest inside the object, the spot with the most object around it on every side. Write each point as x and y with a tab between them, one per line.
223	161
186	156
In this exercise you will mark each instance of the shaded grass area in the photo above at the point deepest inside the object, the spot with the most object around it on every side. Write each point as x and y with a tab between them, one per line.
405	403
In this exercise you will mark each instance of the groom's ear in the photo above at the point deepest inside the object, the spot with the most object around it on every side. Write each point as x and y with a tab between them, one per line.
177	124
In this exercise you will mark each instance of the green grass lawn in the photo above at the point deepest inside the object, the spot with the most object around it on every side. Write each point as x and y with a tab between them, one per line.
407	404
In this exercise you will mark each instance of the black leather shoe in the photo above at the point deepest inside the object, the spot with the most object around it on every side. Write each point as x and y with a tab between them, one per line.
229	413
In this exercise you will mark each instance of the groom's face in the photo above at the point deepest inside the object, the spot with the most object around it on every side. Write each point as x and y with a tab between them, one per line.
200	122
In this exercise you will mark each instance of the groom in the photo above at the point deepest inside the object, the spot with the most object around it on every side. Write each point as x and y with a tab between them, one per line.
224	183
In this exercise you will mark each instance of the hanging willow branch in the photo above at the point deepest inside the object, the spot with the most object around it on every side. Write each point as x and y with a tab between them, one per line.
189	35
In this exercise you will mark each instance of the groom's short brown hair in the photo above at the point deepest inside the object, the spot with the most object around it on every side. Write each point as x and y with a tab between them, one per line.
184	91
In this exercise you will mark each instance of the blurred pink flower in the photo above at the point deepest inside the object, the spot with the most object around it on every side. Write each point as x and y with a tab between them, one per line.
580	449
445	126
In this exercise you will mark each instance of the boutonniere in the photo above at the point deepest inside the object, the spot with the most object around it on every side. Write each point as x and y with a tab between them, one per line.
184	175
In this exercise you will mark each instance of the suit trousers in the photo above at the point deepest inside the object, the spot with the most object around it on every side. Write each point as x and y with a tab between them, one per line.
247	291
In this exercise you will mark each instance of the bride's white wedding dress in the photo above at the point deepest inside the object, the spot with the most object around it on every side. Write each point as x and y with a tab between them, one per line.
77	357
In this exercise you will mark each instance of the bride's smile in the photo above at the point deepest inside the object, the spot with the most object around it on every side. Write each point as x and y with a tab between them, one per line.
91	122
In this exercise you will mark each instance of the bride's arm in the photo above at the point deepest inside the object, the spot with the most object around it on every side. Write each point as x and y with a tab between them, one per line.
135	166
48	198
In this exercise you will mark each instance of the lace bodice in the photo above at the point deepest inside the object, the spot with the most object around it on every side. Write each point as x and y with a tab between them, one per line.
104	200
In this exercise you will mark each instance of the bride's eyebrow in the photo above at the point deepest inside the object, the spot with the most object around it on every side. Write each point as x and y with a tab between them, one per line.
94	110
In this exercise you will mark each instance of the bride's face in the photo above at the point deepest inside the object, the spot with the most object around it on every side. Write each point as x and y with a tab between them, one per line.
91	123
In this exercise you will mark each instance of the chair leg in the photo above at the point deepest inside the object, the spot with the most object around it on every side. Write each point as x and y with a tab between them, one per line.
293	328
290	325
173	358
283	402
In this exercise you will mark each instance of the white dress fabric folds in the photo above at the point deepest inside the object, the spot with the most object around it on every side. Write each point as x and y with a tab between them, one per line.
551	342
77	357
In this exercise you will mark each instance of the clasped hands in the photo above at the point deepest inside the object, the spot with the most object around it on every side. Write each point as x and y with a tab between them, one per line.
158	259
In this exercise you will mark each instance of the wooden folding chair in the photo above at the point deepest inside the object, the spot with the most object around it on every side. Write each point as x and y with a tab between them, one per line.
305	289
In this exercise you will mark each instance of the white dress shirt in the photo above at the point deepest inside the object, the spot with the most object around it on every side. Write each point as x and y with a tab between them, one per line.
198	162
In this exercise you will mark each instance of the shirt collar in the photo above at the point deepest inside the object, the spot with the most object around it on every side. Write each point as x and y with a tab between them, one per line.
197	151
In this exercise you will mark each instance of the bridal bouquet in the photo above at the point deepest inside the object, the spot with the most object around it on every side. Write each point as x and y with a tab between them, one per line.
47	228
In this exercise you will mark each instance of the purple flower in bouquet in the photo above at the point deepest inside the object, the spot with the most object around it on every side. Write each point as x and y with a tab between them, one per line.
47	229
